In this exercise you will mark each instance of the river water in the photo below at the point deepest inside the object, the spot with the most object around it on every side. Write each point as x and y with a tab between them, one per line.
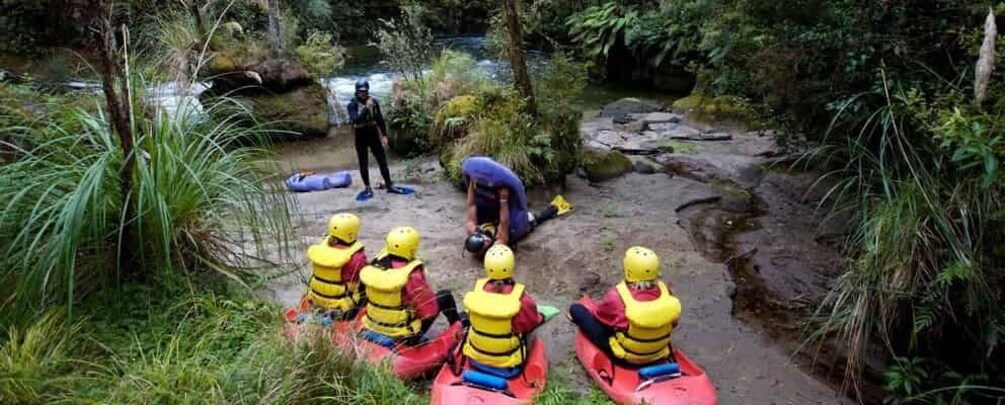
366	62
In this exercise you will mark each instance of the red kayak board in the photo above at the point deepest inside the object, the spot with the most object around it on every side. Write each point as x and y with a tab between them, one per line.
449	389
406	362
624	386
292	327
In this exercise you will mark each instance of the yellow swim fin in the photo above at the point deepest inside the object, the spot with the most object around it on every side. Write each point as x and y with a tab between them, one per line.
563	206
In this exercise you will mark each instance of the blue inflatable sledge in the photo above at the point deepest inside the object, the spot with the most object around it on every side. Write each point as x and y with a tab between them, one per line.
309	181
487	172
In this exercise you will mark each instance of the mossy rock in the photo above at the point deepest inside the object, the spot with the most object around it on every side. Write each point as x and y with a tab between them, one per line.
222	64
602	165
461	108
704	108
302	111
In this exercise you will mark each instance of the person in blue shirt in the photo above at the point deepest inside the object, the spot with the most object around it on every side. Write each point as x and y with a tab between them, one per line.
371	136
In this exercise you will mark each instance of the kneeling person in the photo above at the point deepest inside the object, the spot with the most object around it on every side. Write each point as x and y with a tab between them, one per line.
497	205
335	267
635	320
400	304
501	314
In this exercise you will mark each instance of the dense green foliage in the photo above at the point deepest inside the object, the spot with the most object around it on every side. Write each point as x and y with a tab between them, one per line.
456	110
19	20
170	344
173	344
199	200
31	26
886	90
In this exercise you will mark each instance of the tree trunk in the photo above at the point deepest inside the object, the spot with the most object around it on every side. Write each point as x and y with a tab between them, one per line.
200	25
517	57
275	25
119	111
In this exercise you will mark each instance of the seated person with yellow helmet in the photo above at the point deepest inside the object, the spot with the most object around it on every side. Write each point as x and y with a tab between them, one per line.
335	267
635	319
400	304
501	314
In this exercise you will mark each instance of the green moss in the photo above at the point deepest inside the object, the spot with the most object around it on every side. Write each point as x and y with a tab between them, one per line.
460	106
704	108
674	146
222	64
453	119
605	165
302	111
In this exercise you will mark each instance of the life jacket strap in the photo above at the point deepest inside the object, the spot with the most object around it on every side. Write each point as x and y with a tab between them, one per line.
331	297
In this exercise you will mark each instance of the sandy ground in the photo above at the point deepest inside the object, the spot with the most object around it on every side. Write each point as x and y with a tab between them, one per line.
575	254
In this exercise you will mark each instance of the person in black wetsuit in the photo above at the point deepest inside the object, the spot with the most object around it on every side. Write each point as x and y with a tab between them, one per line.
371	135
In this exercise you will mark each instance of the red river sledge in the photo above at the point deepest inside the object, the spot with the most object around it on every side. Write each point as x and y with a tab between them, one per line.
677	382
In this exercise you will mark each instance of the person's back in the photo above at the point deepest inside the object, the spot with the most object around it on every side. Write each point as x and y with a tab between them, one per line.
501	314
388	311
335	266
635	320
643	315
400	303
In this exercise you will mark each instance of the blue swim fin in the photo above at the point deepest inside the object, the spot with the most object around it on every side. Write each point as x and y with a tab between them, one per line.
364	195
401	190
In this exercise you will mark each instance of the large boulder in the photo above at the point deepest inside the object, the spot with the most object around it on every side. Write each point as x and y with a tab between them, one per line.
278	89
602	165
232	74
302	111
630	105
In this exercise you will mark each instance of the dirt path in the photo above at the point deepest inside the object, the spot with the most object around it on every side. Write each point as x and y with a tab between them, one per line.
576	254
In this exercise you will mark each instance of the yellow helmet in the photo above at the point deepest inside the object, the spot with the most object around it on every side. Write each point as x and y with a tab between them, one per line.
641	264
499	262
402	242
344	227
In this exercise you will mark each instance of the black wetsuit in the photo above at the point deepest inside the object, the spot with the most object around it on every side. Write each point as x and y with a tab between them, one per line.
369	125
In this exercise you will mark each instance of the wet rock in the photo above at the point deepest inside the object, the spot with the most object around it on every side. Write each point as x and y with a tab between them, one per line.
681	132
694	167
658	118
623	120
302	111
608	139
714	136
602	165
620	108
646	121
234	75
643	167
691	134
737	201
279	90
595	125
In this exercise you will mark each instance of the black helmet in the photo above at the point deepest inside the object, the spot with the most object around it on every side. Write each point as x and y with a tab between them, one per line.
475	243
362	85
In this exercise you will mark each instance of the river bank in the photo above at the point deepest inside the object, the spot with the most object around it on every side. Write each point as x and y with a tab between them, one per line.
580	254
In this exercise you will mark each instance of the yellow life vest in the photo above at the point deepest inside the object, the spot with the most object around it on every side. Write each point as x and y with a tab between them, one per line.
385	312
650	324
491	340
327	290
